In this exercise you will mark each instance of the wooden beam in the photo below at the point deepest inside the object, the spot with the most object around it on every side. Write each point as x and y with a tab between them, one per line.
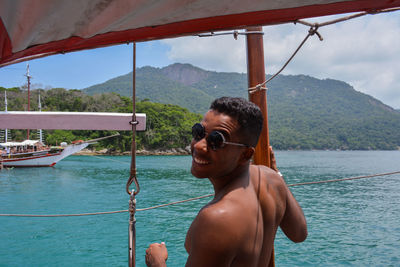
70	120
256	75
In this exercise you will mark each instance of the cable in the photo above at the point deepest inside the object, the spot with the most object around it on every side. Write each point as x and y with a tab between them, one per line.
195	198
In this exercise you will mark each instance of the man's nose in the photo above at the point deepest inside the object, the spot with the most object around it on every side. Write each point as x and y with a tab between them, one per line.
201	145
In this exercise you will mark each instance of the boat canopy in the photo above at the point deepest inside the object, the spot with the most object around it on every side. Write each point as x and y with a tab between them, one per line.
31	29
24	143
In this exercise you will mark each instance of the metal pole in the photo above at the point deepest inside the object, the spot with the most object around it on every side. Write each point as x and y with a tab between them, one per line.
29	94
132	230
132	201
256	75
6	109
40	130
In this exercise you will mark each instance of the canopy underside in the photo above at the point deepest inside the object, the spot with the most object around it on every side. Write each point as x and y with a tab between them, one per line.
31	29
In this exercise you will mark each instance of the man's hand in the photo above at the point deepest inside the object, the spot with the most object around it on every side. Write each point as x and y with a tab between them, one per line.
273	160
156	255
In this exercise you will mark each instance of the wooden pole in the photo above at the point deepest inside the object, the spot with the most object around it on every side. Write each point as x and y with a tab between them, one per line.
256	75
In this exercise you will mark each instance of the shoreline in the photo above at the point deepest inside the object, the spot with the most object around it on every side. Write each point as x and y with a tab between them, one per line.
142	152
170	152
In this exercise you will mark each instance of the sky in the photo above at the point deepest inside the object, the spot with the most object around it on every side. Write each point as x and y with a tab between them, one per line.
364	52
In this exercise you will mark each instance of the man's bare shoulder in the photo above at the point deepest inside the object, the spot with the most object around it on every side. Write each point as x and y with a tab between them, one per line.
269	176
218	213
215	227
271	187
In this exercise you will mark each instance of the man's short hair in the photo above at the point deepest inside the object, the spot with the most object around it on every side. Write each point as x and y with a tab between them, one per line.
247	114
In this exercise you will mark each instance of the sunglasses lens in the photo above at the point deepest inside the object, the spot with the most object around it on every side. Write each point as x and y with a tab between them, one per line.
215	140
198	132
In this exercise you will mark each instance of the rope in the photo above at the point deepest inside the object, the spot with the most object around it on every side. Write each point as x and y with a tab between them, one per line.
313	30
195	198
133	172
176	202
346	179
124	162
234	33
258	87
63	215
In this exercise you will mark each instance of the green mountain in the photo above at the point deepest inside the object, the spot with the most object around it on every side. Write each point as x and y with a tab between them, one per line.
304	112
153	84
179	84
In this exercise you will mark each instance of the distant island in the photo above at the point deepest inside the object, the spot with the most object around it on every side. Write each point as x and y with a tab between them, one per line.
304	112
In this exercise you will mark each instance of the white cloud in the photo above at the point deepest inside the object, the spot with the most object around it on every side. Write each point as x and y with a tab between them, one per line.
221	53
364	52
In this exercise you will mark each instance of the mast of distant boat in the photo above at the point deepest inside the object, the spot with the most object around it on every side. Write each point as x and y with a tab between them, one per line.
5	103
29	93
40	130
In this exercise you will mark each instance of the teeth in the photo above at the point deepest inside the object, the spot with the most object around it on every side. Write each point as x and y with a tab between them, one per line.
200	161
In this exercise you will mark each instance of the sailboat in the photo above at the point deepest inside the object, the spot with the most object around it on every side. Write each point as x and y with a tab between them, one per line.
34	153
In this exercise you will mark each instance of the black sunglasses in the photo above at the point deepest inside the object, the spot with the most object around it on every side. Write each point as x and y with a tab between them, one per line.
215	139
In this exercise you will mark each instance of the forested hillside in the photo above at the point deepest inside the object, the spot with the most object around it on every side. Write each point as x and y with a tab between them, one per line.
168	126
304	112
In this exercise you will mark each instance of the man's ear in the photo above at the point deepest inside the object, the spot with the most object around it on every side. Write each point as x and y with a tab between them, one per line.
248	154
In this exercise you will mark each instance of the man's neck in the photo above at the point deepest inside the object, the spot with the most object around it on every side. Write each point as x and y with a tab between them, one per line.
237	178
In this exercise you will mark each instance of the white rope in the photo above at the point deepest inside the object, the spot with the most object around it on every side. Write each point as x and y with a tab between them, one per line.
313	30
194	198
124	162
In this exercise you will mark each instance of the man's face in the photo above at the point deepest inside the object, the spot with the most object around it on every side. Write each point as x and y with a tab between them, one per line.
208	163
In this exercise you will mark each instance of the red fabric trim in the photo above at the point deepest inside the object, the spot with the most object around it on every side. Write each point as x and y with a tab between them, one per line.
5	42
197	25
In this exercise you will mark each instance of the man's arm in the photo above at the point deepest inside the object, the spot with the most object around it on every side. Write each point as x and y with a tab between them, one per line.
294	223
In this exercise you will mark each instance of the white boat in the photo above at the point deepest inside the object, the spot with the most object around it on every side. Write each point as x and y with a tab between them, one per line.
32	153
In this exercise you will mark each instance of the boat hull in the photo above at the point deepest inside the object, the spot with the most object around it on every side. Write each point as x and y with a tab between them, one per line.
42	158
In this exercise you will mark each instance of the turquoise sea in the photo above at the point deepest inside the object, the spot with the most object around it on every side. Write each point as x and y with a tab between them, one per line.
351	223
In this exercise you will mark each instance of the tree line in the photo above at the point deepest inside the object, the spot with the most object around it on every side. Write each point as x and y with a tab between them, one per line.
167	126
305	125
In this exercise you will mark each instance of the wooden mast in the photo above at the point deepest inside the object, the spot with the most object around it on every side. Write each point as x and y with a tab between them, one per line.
256	75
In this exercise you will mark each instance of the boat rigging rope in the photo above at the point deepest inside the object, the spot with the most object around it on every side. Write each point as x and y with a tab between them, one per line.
133	173
196	198
119	161
313	30
134	122
234	33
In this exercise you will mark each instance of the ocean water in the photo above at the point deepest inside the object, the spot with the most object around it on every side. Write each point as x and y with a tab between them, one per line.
350	223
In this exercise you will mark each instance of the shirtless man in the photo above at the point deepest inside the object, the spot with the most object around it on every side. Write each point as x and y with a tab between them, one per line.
238	227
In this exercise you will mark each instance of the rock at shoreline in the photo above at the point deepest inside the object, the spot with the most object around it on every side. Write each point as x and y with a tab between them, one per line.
143	152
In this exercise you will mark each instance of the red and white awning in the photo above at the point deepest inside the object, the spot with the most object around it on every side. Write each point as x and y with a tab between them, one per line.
30	29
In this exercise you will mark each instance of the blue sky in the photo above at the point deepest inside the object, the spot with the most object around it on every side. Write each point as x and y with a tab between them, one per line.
364	52
79	70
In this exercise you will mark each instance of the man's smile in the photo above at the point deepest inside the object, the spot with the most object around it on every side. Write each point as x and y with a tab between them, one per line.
200	161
